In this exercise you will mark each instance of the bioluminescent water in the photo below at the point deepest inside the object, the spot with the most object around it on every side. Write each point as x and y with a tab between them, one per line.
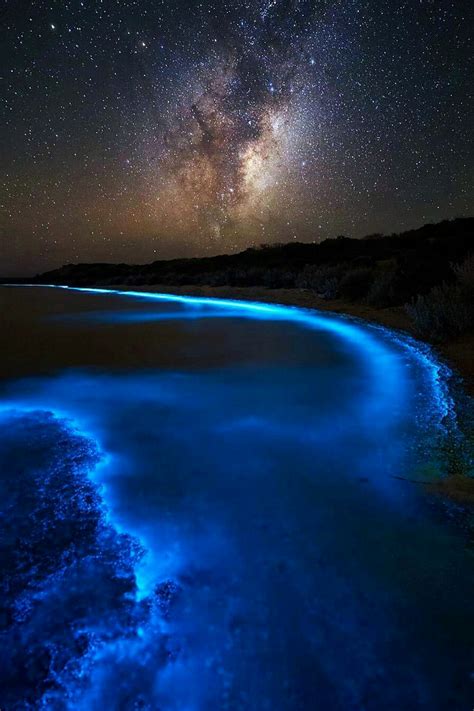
213	505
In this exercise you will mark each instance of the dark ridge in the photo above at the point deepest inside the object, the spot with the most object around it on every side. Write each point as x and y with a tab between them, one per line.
421	259
429	271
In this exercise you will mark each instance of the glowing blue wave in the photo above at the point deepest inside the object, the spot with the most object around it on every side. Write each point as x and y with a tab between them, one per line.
361	334
174	437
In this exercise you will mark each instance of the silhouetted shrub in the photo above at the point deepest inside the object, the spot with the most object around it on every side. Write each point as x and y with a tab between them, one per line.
441	313
322	280
383	290
374	235
279	279
355	284
464	273
362	261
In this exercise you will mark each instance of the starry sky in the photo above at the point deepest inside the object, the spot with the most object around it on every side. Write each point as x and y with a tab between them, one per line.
136	130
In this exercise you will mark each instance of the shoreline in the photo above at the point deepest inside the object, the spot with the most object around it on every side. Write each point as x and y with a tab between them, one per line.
453	358
457	353
458	485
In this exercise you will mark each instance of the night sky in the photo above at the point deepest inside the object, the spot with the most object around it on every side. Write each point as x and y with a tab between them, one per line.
141	130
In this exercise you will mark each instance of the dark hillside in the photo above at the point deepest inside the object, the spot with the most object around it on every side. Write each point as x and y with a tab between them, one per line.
416	261
429	270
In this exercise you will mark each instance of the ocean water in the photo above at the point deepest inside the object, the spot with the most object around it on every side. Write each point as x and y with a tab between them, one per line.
213	505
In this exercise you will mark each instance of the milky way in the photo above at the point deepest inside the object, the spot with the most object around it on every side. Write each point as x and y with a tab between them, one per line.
140	130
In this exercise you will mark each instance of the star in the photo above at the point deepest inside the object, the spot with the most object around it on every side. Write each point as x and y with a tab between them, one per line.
198	127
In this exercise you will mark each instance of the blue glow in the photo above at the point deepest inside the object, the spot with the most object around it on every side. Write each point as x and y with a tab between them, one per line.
251	543
366	337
